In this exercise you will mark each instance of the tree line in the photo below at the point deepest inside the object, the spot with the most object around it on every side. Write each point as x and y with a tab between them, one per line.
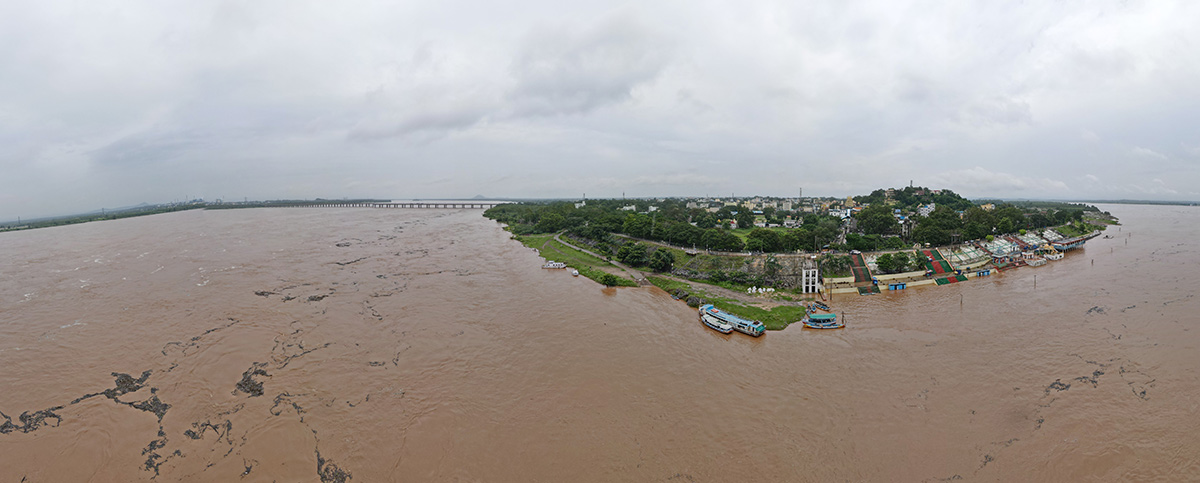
876	227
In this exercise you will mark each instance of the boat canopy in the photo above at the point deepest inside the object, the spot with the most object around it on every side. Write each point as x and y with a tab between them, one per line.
822	317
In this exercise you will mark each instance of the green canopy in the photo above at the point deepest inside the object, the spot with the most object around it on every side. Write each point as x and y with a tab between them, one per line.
823	317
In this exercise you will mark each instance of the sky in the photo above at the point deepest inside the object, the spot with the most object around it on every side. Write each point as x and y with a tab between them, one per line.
109	104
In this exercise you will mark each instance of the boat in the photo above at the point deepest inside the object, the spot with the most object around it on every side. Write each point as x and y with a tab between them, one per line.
554	264
574	273
716	324
818	305
822	321
748	327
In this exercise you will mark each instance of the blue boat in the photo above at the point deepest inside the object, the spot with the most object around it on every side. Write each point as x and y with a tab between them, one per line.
749	327
818	305
822	321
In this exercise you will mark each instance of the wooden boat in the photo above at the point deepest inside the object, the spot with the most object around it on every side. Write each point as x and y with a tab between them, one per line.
748	327
822	321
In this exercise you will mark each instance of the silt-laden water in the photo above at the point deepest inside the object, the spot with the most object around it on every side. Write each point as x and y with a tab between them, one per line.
401	345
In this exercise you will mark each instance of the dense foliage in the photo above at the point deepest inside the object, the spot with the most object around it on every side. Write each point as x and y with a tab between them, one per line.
877	226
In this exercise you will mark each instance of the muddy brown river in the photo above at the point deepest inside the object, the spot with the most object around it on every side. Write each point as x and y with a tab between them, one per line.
369	345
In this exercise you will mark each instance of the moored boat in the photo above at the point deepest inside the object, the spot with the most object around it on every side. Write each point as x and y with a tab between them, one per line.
715	324
748	327
816	304
554	264
822	321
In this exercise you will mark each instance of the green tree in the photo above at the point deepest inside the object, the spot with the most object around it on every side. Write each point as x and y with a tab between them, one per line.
550	223
711	238
763	240
975	230
636	226
730	242
632	254
609	280
900	261
705	220
797	239
745	219
662	261
1005	225
885	263
877	220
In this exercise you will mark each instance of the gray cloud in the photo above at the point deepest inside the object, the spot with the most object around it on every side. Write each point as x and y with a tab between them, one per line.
560	71
114	103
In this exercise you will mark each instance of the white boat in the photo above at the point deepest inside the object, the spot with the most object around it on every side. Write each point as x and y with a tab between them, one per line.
574	273
554	264
715	324
750	327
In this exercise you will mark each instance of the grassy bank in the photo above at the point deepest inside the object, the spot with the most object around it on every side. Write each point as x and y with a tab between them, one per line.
777	318
588	266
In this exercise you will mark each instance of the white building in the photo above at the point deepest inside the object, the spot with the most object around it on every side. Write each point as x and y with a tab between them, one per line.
810	279
927	209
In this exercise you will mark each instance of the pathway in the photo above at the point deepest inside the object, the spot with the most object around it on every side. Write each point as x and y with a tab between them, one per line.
637	275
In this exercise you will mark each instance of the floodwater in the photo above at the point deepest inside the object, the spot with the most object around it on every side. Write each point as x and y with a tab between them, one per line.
397	345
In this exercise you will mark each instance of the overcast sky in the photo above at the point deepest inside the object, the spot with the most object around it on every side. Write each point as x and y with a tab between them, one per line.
106	104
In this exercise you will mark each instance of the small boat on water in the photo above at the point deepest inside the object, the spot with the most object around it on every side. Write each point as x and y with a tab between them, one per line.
818	305
822	321
748	327
574	273
554	264
715	324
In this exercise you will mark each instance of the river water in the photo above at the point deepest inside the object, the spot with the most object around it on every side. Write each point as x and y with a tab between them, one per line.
400	345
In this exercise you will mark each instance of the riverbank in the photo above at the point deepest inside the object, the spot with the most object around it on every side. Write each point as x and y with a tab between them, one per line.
776	311
773	314
588	265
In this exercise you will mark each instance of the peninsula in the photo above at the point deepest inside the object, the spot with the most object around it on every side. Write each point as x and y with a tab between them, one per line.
767	257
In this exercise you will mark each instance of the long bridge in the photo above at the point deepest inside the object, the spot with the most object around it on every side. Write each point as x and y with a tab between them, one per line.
405	204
